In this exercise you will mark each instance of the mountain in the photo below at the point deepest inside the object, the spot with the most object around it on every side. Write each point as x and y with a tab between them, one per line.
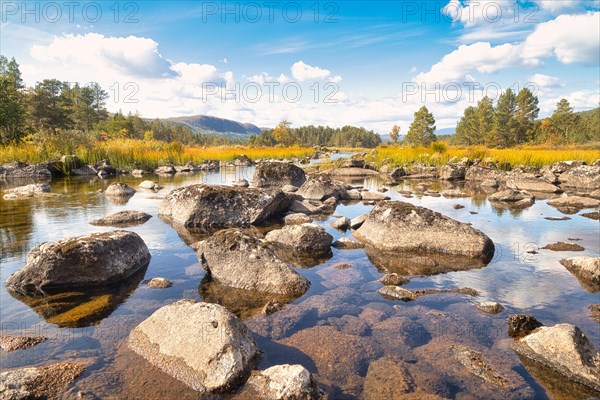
216	126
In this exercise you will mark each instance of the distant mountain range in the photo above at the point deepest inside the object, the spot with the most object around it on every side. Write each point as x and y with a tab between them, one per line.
207	125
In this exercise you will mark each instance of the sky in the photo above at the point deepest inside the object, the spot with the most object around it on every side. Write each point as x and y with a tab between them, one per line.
364	63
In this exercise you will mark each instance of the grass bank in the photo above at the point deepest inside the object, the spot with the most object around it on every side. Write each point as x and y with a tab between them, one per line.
441	154
130	153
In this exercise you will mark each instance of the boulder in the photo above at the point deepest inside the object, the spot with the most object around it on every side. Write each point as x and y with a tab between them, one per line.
213	207
397	293
479	173
86	170
394	279
586	270
321	187
453	172
104	169
347	244
574	201
398	173
278	175
297	219
373	196
44	382
489	183
159	283
302	240
33	190
520	325
583	177
313	207
150	185
23	170
289	188
122	219
563	246
565	349
202	344
357	222
284	382
236	259
119	189
341	223
490	307
354	172
394	226
533	185
241	183
512	198
165	170
80	261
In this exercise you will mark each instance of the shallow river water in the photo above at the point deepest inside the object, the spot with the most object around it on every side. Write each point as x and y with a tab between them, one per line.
336	330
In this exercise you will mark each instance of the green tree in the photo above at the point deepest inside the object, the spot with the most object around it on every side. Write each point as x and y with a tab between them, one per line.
485	119
527	113
52	105
505	127
283	134
467	128
421	131
12	101
395	134
564	122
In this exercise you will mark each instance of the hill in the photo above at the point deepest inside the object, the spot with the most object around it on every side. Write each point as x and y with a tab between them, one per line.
222	127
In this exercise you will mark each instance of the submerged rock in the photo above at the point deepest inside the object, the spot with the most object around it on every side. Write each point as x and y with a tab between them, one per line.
33	383
563	246
33	190
284	382
302	240
119	189
211	207
586	270
88	260
234	258
520	325
347	244
395	227
203	345
490	307
565	349
388	379
159	283
122	219
397	293
12	343
478	365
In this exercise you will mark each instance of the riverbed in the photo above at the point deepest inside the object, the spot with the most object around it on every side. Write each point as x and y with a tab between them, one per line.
337	329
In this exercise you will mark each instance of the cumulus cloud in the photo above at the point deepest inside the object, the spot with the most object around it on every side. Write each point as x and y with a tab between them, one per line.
304	72
132	56
570	38
545	81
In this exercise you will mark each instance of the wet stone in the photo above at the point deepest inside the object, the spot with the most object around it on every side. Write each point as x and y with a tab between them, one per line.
520	325
12	343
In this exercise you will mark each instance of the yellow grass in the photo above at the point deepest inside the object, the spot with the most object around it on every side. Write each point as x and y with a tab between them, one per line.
528	156
127	153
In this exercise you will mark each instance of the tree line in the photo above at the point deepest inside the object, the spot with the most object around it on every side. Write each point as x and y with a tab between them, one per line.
347	136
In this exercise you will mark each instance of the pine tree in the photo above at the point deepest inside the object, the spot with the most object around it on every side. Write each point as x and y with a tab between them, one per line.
505	127
468	127
527	113
12	101
485	120
421	131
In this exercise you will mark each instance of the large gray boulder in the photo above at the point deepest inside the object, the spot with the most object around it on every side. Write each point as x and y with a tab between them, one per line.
89	260
284	382
302	240
396	227
213	207
277	175
119	189
586	270
565	349
23	170
453	172
201	344
321	187
236	259
582	176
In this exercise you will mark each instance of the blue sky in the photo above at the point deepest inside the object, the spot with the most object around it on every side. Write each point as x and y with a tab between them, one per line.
329	62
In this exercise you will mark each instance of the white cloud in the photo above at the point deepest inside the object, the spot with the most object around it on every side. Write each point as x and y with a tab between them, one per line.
195	74
545	81
335	79
303	72
570	38
225	60
555	6
132	56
